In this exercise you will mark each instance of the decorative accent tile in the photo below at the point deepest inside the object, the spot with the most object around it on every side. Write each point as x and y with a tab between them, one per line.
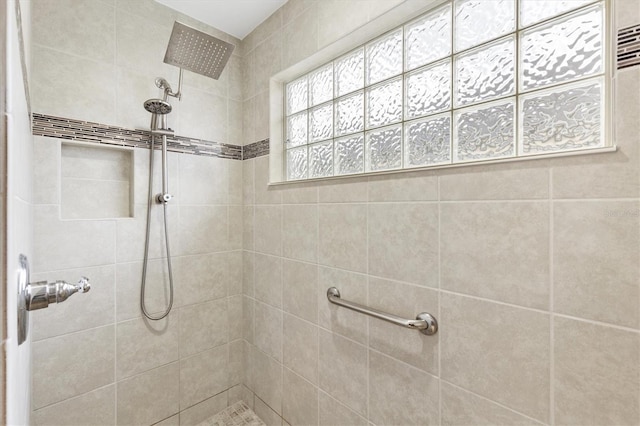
237	414
628	47
256	149
84	131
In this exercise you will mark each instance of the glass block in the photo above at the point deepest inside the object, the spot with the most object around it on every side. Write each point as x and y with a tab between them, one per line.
428	141
384	149
485	73
297	163
321	123
477	21
349	155
297	129
484	132
533	11
562	50
384	57
428	38
350	114
297	95
349	72
428	90
321	85
384	104
321	159
563	118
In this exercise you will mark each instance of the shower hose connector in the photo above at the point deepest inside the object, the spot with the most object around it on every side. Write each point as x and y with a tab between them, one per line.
164	198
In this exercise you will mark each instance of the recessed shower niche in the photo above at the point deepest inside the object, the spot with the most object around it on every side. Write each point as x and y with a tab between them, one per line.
96	181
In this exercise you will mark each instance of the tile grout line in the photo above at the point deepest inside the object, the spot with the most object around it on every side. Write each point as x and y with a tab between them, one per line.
551	303
439	299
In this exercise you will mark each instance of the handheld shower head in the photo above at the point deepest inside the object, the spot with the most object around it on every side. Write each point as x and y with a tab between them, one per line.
157	106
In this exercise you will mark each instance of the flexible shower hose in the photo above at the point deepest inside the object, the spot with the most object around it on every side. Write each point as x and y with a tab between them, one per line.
146	243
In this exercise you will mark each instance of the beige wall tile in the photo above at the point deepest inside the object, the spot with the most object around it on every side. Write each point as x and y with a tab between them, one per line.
131	233
203	376
248	228
343	231
203	116
266	414
128	282
332	413
497	250
171	421
263	193
95	347
141	176
247	396
300	232
268	279
485	345
98	408
235	394
591	361
342	370
268	330
236	360
300	37
299	400
46	187
149	397
203	326
399	394
70	244
267	28
248	319
352	190
235	177
596	270
194	220
95	162
235	317
300	347
406	301
201	278
203	180
268	62
142	344
336	18
268	380
293	8
248	193
627	13
94	199
460	407
268	229
300	287
403	242
80	312
301	193
206	409
234	284
340	320
520	181
248	273
418	186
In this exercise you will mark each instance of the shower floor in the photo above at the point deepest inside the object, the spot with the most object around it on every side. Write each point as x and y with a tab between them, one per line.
238	414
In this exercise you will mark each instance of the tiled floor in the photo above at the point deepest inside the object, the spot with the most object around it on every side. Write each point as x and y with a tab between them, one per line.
239	414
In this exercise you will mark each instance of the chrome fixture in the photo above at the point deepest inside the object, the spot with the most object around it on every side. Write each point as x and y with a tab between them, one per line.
33	296
203	54
424	321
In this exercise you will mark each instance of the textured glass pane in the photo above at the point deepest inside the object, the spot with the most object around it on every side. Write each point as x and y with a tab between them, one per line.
532	11
562	119
321	85
477	21
297	129
429	90
297	163
428	141
484	132
384	104
349	72
297	95
562	50
486	73
384	57
384	149
321	159
429	38
349	155
321	123
350	114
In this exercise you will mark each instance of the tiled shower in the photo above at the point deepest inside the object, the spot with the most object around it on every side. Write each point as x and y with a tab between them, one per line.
531	268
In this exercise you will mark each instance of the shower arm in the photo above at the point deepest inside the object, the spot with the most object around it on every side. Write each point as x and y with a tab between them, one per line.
178	94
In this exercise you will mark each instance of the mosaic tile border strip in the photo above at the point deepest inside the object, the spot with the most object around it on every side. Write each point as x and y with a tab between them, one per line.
85	131
256	149
628	47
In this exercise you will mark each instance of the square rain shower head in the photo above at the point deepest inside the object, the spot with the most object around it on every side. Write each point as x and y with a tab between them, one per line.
196	51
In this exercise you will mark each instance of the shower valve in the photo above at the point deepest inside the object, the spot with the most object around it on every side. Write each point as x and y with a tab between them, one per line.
39	295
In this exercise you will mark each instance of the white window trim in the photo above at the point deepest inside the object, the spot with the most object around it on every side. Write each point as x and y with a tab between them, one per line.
397	16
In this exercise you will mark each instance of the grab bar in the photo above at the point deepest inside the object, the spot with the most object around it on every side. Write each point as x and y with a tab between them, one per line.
424	322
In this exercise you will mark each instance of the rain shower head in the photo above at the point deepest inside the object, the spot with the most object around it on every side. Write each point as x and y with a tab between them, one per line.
196	51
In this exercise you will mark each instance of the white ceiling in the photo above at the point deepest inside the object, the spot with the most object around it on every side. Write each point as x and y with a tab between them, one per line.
235	17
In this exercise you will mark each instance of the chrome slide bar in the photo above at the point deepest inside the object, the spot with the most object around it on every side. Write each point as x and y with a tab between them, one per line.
424	322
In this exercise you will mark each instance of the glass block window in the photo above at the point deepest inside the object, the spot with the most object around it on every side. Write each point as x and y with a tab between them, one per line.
469	81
